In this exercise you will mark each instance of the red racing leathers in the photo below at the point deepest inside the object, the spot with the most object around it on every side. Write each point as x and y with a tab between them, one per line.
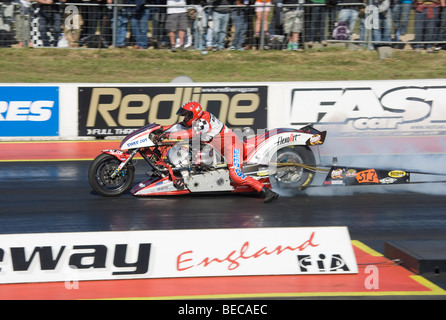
211	130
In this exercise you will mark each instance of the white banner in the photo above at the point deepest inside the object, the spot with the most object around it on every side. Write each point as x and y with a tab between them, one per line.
175	253
358	108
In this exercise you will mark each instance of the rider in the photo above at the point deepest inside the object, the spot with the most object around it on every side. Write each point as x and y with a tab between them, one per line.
198	122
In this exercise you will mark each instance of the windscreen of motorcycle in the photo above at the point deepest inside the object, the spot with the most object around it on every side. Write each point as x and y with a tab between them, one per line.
179	155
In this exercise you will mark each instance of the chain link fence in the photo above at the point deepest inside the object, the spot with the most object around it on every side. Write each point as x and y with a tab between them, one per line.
244	25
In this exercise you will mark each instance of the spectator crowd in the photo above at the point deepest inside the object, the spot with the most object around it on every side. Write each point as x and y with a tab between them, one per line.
222	24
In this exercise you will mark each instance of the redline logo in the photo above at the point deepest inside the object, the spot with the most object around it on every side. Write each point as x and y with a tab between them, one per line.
148	107
120	110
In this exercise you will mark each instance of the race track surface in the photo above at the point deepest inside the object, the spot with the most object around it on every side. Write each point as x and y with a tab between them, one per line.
55	196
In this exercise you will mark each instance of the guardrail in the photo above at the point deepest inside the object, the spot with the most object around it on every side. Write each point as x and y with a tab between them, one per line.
231	27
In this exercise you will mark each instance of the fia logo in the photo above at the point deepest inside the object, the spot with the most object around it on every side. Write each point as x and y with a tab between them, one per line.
322	263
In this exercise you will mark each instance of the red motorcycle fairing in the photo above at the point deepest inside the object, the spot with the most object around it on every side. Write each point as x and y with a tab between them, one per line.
157	187
164	186
121	155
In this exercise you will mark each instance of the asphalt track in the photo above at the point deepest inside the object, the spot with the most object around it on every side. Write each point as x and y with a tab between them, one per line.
49	192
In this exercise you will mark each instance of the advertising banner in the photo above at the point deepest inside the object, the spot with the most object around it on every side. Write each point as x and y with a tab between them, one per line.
175	253
29	111
369	108
118	111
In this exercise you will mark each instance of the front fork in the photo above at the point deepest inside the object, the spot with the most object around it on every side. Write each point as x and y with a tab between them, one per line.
123	164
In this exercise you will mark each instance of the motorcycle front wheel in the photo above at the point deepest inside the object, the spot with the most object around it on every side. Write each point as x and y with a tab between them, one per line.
100	176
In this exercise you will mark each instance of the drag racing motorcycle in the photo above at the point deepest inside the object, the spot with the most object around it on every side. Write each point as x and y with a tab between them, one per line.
279	158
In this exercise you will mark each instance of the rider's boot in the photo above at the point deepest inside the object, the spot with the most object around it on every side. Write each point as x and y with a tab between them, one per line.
268	194
178	183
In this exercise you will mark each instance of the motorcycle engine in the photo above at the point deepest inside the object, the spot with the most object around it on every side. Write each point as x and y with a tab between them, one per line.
179	155
206	155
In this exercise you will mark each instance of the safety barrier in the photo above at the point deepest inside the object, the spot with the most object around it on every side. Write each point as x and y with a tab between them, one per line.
225	252
343	108
243	26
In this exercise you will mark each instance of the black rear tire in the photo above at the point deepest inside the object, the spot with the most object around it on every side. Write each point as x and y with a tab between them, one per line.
293	177
99	176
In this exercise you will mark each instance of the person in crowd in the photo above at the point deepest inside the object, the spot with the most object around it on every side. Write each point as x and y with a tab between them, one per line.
50	21
158	17
240	21
176	23
198	22
262	8
94	16
376	22
73	23
365	34
202	28
442	25
154	21
220	19
349	13
426	15
250	34
292	22
317	15
22	23
139	21
276	24
192	13
7	37
122	22
332	12
400	17
385	21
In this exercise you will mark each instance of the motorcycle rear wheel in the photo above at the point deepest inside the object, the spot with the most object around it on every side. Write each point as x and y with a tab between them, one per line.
289	174
99	176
